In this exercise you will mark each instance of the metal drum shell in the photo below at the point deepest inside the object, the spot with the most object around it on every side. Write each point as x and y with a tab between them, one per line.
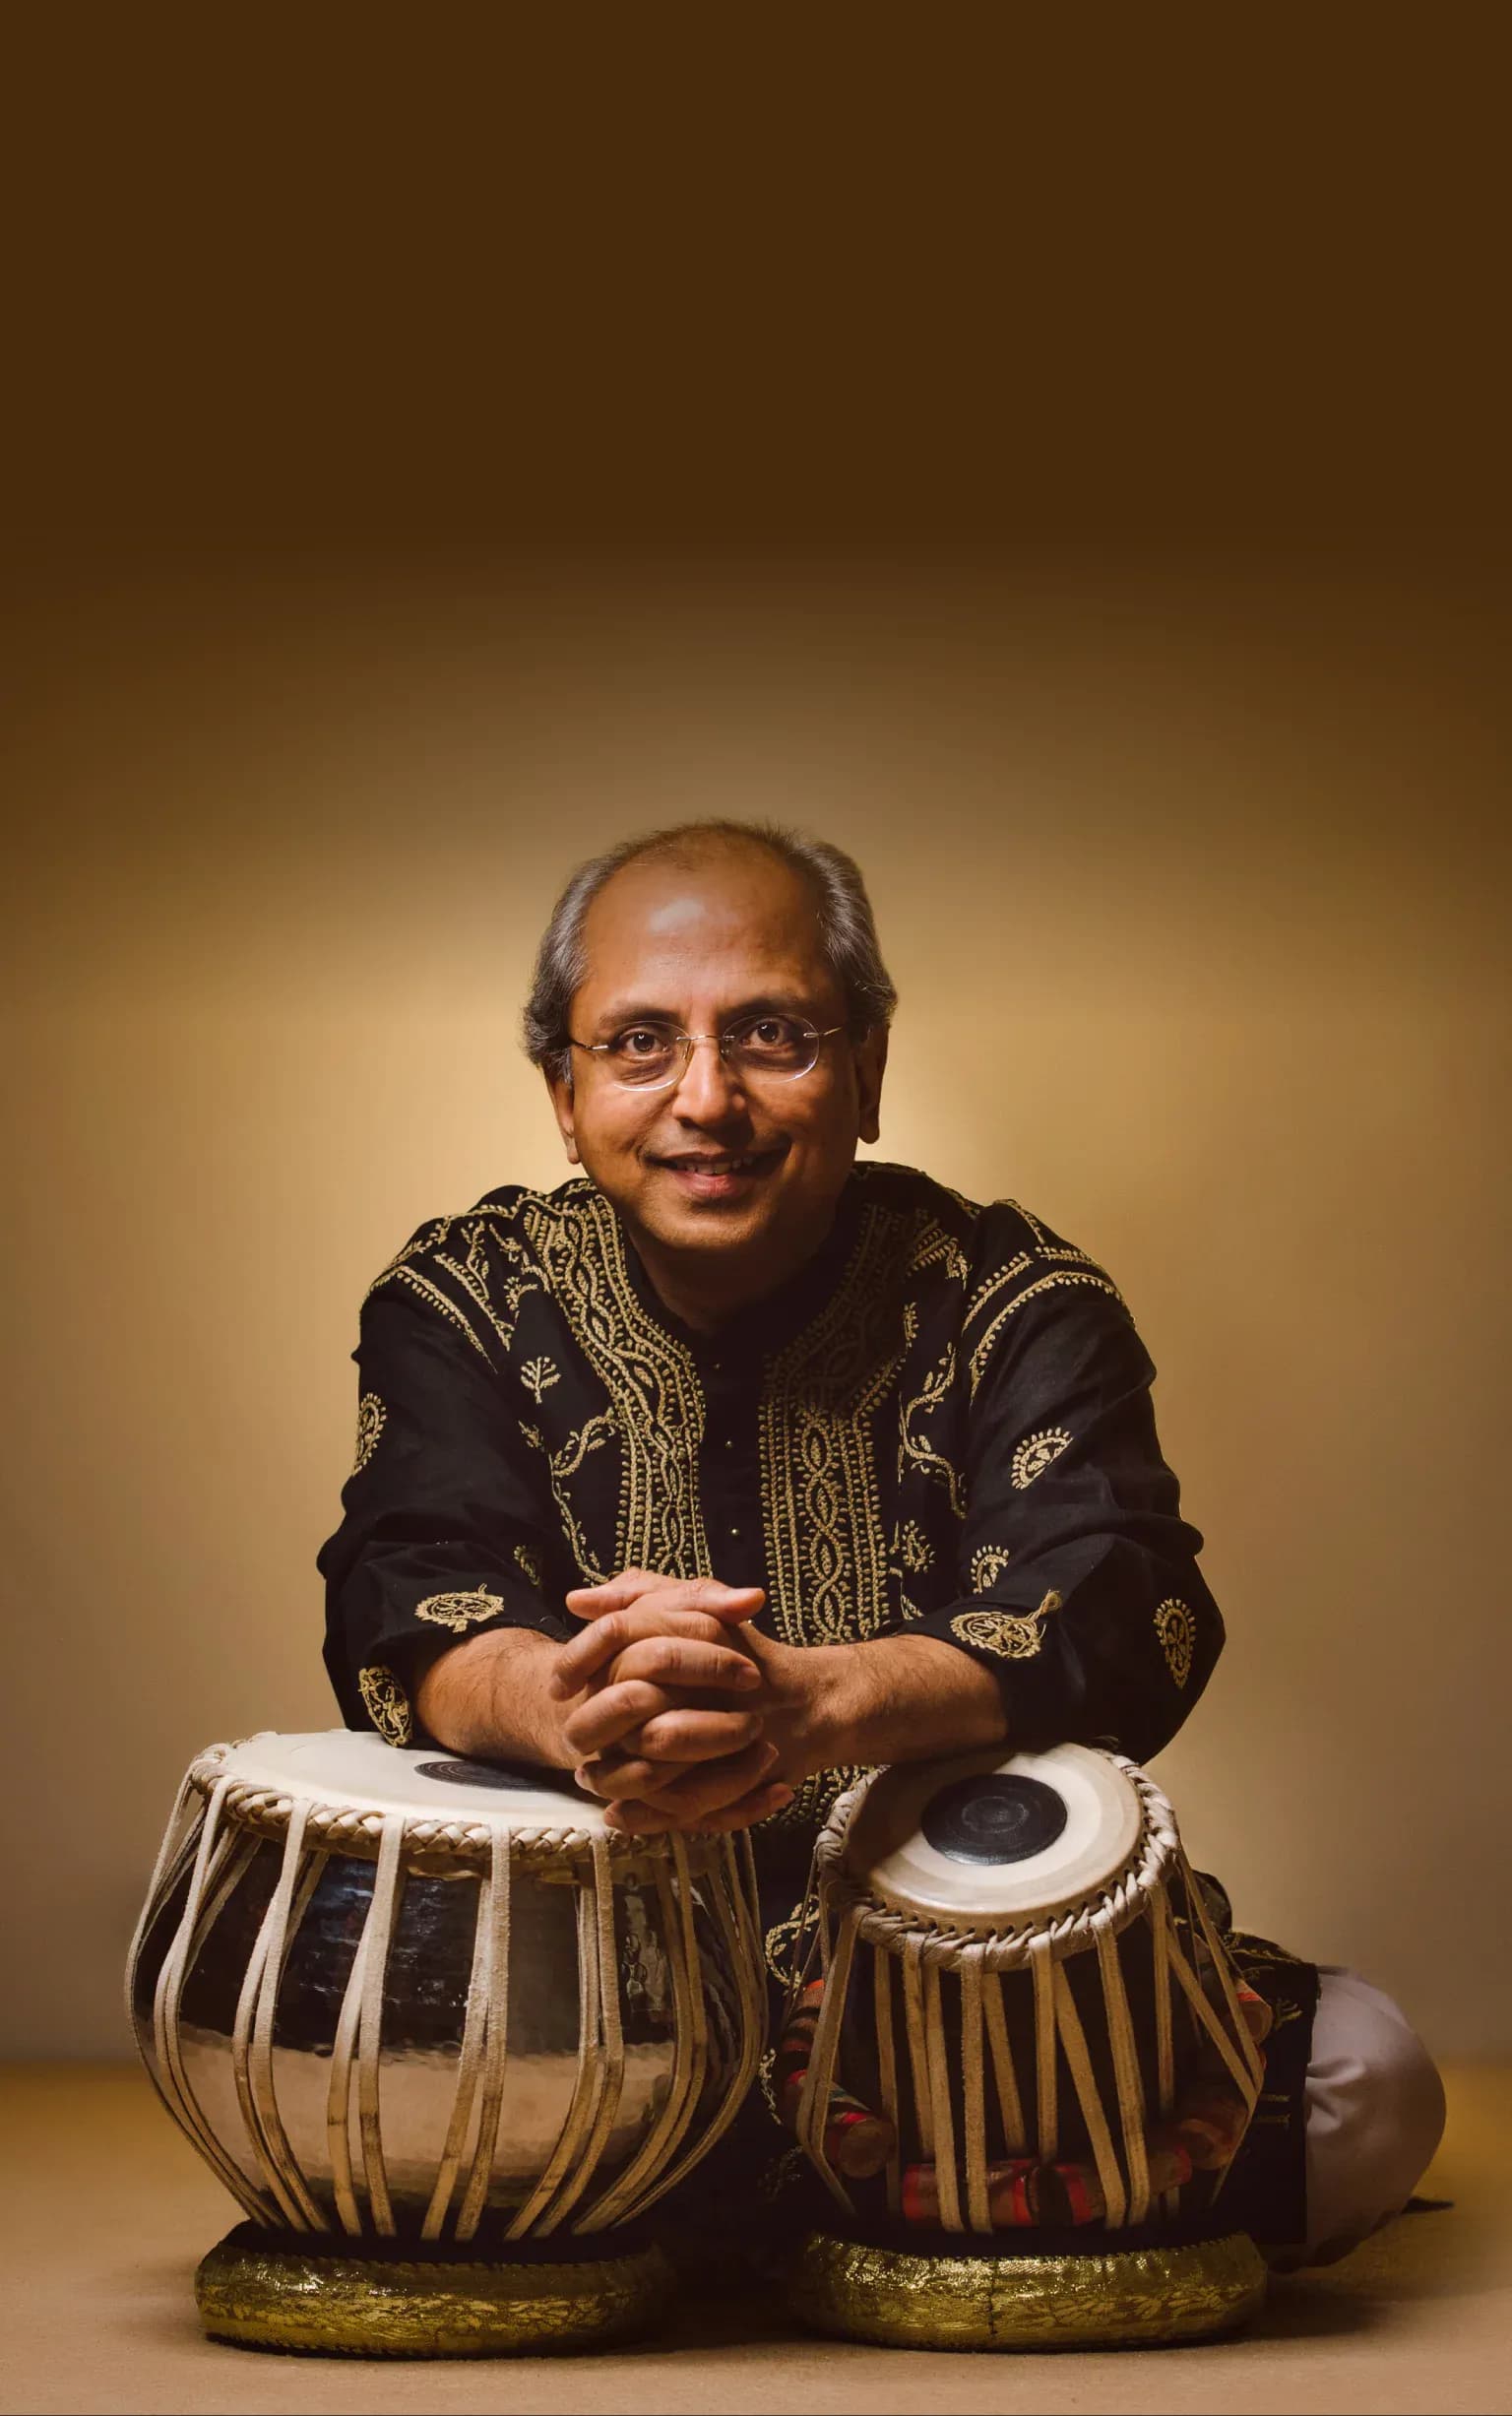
424	2008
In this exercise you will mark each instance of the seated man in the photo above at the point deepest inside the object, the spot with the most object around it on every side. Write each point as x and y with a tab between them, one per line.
733	1468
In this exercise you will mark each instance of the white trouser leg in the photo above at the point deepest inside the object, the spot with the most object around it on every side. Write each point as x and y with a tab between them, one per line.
1375	2114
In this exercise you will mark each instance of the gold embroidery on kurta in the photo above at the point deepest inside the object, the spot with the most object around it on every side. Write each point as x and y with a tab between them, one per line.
483	1284
386	1702
459	1611
1178	1632
820	1497
540	1374
915	1446
987	1562
438	1301
528	1564
1035	1452
649	1379
982	1350
913	1547
370	1416
1013	1635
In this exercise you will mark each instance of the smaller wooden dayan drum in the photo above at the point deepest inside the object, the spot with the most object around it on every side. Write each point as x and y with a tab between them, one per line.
1017	2029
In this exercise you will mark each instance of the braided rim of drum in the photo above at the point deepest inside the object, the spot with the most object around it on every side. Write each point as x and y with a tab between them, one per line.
430	1843
1109	1909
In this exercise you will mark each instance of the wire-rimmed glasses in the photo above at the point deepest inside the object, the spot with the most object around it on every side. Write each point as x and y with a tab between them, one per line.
652	1055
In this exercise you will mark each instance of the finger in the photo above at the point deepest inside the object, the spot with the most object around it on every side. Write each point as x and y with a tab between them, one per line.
688	1662
585	1654
615	1775
680	1734
626	1587
716	1784
607	1717
730	1603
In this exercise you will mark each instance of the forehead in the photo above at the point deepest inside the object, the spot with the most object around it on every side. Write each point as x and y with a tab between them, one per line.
731	921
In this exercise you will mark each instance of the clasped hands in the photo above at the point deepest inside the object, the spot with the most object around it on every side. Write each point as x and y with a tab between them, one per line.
681	1717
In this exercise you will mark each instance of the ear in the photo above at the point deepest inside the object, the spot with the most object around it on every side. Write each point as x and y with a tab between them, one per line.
559	1090
870	1066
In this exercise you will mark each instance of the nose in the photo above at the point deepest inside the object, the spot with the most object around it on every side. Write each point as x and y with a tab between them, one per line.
709	1089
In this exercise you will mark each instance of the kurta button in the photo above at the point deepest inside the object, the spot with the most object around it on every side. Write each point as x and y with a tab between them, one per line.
730	1442
734	1531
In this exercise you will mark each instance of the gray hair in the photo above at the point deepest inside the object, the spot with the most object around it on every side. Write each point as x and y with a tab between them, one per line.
847	930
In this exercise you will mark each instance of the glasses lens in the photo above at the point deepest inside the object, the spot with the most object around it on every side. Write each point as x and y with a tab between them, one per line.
644	1055
773	1045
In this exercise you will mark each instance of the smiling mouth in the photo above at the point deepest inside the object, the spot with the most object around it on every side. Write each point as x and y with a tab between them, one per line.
716	1175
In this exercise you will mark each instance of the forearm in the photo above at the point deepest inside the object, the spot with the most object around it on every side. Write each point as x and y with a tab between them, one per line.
899	1699
491	1697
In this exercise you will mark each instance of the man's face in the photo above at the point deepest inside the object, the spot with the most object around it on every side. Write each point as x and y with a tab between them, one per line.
699	946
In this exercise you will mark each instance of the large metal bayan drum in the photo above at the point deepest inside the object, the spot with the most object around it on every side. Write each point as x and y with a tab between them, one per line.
1021	2060
443	2035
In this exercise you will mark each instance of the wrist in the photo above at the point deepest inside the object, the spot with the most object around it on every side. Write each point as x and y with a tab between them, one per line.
897	1699
490	1697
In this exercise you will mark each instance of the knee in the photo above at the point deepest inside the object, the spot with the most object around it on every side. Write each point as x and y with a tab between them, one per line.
1375	2114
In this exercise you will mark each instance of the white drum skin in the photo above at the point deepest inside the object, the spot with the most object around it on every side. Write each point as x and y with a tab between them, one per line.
887	1850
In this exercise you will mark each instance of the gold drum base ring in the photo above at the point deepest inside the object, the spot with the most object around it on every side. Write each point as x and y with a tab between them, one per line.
260	2291
1092	2299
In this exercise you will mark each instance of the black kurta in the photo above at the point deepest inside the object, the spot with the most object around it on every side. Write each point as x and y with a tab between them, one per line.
942	1426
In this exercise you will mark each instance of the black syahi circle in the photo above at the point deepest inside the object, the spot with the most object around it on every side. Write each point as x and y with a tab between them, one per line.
997	1820
516	1776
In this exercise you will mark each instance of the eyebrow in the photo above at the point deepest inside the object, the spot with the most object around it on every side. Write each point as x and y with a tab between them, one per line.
768	1002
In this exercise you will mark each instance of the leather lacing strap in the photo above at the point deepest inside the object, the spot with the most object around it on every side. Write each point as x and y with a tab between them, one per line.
737	1903
252	2037
813	2111
490	1967
213	1851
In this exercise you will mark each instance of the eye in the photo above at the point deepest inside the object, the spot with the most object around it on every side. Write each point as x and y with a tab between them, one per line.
773	1039
640	1043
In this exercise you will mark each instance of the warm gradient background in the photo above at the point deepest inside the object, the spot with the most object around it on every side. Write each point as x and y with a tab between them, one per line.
1190	871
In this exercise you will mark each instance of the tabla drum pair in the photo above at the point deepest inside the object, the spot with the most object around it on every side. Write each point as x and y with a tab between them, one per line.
1019	2058
444	2036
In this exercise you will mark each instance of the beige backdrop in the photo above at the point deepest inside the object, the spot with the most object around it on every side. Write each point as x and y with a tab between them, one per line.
1189	878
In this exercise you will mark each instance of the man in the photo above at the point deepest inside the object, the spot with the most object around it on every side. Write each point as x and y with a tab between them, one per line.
734	1467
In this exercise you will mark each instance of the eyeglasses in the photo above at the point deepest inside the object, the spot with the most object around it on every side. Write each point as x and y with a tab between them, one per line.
652	1057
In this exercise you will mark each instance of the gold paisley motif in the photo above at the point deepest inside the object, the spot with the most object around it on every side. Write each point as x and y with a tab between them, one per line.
1035	1453
1178	1632
528	1564
986	1564
913	1549
460	1612
1013	1635
370	1416
386	1703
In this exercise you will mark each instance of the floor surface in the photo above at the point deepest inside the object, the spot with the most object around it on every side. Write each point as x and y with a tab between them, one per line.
107	2212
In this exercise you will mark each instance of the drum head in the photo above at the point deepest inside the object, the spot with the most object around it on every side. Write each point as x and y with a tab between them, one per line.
979	1842
351	1771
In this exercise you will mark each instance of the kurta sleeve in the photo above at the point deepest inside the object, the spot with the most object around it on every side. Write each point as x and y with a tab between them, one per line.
1078	1575
446	1527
